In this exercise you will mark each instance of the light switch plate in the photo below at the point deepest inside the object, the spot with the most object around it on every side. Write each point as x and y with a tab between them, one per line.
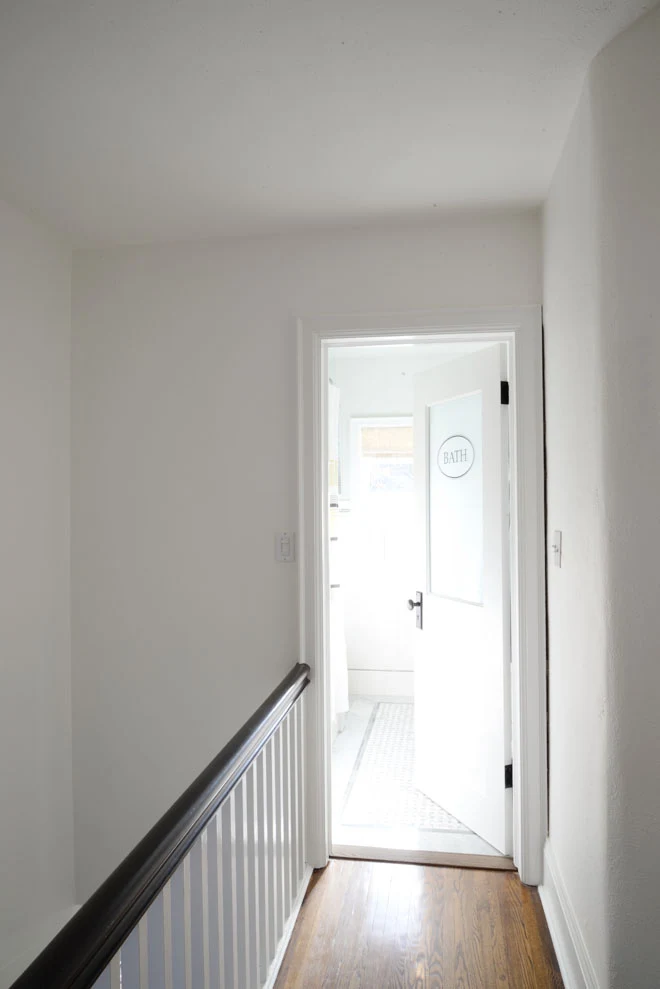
556	547
285	547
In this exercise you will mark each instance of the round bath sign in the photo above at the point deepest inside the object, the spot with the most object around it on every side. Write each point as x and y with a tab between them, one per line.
456	456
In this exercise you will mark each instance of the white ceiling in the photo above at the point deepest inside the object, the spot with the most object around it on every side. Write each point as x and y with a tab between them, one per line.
127	121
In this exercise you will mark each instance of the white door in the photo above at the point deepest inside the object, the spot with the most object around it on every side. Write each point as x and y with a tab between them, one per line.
462	653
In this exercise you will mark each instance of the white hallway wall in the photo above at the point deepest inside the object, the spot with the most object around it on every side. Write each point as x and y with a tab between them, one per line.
184	465
36	818
602	313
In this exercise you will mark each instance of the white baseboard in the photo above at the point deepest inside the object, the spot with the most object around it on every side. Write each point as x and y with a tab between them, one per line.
381	683
274	969
576	966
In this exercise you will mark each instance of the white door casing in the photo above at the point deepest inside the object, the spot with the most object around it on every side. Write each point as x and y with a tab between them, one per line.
520	329
462	653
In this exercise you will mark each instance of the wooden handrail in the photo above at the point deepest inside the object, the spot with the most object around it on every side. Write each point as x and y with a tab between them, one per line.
81	951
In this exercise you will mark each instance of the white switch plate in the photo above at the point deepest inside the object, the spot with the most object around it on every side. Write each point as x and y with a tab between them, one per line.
556	547
285	547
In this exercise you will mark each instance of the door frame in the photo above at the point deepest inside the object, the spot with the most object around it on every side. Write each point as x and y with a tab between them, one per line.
521	330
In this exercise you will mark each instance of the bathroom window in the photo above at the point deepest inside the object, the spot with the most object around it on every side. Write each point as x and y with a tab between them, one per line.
383	456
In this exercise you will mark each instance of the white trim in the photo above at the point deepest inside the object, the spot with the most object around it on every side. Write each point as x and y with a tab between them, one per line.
457	860
276	964
521	329
576	967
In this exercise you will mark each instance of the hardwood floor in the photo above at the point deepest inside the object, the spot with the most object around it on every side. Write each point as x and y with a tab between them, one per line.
377	925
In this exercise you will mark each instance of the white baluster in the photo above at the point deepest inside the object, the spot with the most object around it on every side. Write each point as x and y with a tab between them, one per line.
130	961
216	934
229	892
187	923
178	929
242	920
271	818
253	913
286	814
199	910
115	972
156	942
143	946
263	893
205	911
295	797
301	707
280	914
168	976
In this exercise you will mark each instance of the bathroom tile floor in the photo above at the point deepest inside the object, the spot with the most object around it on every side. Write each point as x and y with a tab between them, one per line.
355	821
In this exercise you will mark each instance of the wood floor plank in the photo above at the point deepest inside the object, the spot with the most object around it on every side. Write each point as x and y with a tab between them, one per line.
380	925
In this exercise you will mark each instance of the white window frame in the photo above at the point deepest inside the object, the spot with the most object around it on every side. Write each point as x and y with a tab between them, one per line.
355	425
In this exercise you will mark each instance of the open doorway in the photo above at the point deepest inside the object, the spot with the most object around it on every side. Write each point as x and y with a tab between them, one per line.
392	763
503	758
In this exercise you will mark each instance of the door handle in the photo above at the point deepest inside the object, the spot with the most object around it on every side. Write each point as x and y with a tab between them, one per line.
417	606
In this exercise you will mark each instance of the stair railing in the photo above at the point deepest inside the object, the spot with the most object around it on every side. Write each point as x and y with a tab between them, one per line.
204	900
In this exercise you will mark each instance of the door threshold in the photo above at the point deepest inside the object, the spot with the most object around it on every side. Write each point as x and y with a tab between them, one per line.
459	860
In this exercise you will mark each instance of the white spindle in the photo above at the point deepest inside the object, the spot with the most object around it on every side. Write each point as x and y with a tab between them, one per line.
218	921
252	939
271	818
242	917
279	843
300	776
199	936
263	894
206	937
168	975
284	731
178	934
216	934
156	942
229	892
143	948
295	797
130	961
187	924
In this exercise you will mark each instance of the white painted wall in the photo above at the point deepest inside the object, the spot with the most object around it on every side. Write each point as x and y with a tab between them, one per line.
602	311
184	465
577	593
36	816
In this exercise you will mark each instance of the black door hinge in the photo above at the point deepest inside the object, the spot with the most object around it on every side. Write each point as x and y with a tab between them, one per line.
504	392
508	776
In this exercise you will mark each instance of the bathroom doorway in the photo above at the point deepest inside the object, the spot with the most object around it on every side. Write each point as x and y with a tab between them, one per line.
390	772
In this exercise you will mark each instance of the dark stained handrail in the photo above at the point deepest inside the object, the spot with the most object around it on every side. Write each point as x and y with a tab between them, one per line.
81	951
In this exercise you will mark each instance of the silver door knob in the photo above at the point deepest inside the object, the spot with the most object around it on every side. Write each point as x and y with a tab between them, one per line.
415	604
